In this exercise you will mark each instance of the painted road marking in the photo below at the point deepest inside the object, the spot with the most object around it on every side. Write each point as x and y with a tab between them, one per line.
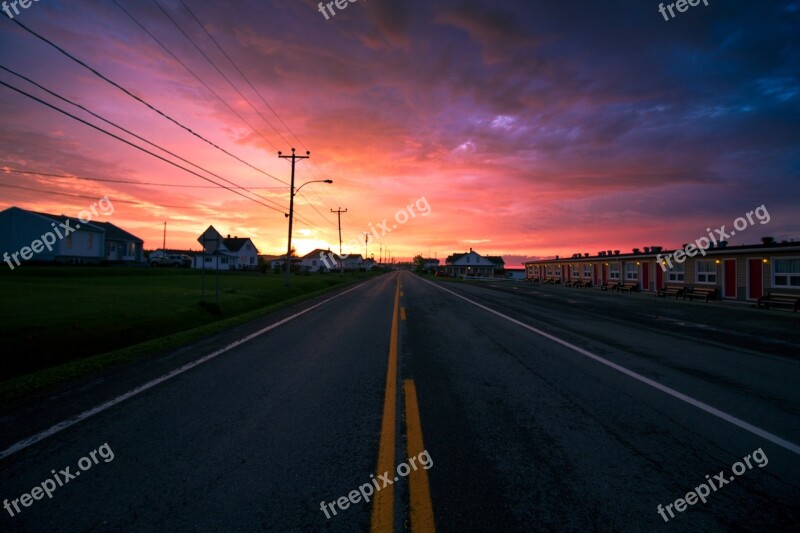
783	443
419	488
383	502
61	426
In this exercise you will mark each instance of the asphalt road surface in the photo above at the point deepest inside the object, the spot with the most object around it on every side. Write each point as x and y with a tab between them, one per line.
523	409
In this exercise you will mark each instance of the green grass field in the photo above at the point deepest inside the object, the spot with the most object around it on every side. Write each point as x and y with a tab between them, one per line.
57	315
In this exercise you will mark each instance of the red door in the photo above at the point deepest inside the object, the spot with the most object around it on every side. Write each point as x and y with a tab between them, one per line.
659	276
564	273
645	276
596	279
729	273
605	273
755	280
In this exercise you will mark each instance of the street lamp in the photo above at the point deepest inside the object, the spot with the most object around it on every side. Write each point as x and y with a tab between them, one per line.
292	193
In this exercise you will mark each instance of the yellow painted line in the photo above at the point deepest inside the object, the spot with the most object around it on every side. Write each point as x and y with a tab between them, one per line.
420	491
383	503
403	314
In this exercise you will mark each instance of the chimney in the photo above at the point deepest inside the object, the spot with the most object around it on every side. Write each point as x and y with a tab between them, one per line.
636	250
229	235
766	241
616	252
470	250
647	249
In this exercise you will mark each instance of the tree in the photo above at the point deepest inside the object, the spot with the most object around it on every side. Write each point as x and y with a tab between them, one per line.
419	264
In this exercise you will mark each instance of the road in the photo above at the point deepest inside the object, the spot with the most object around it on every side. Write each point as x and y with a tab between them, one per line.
526	408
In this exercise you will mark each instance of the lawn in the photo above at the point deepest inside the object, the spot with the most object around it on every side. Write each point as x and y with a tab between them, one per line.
56	315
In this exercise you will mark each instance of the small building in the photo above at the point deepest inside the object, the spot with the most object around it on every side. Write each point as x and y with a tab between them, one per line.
743	273
42	237
473	264
314	262
225	253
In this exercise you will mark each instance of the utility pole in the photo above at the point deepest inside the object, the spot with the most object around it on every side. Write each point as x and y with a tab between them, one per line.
164	243
294	159
341	263
366	245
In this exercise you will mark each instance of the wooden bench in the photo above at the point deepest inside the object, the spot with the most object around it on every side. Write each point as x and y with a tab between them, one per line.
553	281
534	279
582	284
610	284
670	290
700	292
628	287
775	299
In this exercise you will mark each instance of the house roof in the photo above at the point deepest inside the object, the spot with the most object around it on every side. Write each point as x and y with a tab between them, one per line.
234	244
115	233
73	222
495	259
314	254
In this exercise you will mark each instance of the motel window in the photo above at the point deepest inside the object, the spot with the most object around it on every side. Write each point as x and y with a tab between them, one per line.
613	271
706	272
587	271
90	241
676	273
549	270
575	271
631	271
786	272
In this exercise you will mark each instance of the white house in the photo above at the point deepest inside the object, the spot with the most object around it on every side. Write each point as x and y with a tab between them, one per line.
473	264
225	253
43	237
313	262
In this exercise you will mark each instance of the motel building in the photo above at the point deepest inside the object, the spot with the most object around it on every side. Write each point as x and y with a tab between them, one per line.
743	273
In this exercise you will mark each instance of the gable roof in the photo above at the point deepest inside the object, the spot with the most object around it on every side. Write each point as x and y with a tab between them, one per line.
234	244
115	233
314	254
73	222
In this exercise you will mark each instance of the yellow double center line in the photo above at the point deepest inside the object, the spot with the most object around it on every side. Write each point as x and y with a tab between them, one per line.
419	489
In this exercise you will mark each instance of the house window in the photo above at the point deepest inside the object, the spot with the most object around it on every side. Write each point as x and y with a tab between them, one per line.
676	272
252	260
786	272
314	262
631	271
706	272
90	241
587	271
207	259
224	260
613	271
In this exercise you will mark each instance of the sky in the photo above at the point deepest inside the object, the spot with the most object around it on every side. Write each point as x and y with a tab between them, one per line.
524	129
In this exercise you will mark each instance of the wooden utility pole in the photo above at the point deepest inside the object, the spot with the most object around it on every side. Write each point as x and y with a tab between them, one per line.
339	212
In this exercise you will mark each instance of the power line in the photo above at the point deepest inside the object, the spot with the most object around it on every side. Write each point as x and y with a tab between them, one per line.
129	182
246	79
145	150
83	196
83	108
140	100
224	76
256	91
190	71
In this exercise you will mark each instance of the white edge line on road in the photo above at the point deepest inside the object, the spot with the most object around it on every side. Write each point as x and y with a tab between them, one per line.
792	447
61	426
